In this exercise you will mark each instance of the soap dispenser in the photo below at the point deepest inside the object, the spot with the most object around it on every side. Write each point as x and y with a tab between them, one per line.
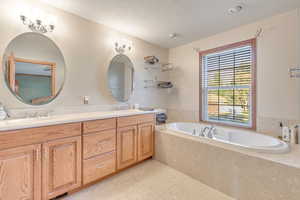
3	113
286	134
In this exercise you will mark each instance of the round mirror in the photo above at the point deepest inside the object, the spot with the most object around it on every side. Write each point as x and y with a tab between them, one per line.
120	77
34	68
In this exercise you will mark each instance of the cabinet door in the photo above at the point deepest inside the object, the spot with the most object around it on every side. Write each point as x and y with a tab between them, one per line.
145	141
126	146
61	166
20	173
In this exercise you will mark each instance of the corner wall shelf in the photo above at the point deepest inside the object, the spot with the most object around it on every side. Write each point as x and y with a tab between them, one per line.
294	72
164	67
156	84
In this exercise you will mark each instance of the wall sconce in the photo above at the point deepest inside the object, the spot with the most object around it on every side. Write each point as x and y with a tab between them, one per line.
122	46
37	25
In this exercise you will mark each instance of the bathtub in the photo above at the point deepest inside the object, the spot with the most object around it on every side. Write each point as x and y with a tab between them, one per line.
240	138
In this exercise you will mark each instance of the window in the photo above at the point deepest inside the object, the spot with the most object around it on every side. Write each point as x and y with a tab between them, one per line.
228	84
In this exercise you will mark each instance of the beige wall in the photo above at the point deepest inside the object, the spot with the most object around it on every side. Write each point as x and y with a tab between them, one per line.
88	49
278	96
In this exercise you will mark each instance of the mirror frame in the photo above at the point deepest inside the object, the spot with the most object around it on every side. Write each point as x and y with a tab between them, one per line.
132	81
7	59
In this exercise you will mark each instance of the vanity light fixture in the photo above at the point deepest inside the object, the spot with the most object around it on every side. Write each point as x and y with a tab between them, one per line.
122	46
37	25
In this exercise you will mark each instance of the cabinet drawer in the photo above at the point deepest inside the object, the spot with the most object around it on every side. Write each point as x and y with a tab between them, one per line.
134	120
99	167
9	139
98	143
99	125
146	118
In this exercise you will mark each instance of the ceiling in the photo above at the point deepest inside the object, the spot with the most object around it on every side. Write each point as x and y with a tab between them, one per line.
154	20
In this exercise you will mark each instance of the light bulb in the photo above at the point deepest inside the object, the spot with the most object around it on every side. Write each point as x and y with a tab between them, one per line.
51	20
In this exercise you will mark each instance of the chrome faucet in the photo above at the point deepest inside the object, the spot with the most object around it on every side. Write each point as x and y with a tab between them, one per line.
129	105
3	112
203	131
209	134
124	106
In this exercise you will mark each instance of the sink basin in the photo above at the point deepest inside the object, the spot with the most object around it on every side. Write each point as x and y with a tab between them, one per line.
25	120
20	123
146	109
127	112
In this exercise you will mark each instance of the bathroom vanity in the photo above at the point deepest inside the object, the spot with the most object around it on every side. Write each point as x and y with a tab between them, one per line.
43	158
46	161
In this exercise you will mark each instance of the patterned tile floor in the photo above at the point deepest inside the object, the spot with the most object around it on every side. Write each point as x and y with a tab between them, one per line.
150	180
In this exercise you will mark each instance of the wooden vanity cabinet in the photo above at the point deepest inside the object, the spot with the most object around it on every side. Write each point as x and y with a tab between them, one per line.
61	166
34	158
145	140
20	173
46	162
99	149
126	146
135	139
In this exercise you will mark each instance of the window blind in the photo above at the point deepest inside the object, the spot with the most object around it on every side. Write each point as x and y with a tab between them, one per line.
226	84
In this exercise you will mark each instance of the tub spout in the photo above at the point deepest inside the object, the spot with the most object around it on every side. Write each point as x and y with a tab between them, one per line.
203	132
209	134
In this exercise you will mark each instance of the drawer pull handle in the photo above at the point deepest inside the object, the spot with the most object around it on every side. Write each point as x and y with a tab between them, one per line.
100	166
102	142
99	146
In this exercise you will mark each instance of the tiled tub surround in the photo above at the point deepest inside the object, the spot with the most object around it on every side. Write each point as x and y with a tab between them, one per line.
239	173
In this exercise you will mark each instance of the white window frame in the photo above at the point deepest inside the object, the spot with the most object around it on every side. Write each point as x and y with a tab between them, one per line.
205	88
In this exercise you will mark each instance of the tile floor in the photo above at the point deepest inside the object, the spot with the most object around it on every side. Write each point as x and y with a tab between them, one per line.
150	180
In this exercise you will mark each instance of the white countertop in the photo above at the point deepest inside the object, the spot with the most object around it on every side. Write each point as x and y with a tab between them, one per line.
15	124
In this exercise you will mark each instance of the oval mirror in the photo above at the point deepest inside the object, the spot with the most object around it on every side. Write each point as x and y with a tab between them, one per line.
34	68
120	77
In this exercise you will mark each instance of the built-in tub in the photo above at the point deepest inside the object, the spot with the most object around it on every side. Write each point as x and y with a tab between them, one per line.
236	162
238	137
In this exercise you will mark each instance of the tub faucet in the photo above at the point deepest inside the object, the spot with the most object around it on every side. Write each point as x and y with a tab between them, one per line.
210	131
203	132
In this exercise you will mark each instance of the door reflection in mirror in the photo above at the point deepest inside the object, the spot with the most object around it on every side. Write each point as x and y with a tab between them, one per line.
32	80
34	68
